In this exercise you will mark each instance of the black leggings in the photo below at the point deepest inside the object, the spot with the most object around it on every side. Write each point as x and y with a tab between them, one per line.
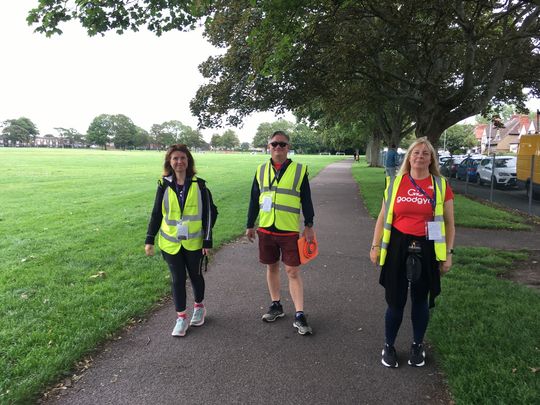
177	265
419	317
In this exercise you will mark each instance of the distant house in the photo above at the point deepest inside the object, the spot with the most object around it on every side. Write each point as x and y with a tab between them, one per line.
506	139
479	132
48	141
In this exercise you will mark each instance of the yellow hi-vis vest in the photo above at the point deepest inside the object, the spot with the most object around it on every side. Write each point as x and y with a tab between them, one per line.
285	196
173	215
392	186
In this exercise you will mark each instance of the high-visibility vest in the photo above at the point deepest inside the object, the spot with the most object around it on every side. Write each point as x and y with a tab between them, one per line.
173	215
284	212
392	186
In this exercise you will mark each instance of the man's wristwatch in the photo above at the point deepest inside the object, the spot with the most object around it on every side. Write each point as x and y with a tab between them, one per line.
450	251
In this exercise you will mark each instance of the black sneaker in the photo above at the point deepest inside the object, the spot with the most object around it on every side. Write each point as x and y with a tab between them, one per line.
274	312
417	355
389	356
301	324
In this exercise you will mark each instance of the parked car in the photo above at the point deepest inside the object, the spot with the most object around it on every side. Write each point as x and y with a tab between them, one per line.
504	173
468	167
449	166
443	159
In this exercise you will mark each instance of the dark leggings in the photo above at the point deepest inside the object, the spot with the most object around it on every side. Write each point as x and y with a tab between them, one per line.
419	318
177	265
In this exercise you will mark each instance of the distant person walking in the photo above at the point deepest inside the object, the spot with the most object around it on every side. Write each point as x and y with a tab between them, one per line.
280	188
413	242
391	161
184	214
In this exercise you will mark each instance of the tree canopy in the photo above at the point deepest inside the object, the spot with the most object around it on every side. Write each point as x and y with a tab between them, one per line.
434	63
21	130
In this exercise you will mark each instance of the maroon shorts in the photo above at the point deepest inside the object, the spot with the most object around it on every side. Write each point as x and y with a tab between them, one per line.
272	246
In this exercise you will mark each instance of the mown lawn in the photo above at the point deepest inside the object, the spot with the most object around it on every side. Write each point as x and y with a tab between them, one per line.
72	264
484	329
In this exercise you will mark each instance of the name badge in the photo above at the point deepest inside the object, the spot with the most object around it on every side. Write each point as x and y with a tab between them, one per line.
434	230
267	204
182	231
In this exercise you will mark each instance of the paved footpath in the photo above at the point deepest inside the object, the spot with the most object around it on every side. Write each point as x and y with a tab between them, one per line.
235	358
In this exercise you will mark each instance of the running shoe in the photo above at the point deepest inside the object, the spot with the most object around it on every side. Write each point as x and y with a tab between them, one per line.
274	312
300	323
198	316
180	328
417	355
389	356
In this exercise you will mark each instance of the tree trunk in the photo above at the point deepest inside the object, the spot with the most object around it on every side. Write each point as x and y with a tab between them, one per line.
373	151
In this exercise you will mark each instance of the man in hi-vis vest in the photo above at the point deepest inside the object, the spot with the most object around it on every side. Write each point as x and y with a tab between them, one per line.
280	190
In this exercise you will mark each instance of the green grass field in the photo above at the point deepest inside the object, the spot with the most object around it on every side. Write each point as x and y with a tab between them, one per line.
72	264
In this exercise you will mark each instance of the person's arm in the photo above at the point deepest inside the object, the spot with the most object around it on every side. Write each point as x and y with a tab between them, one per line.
208	217
155	222
253	210
307	209
450	231
375	250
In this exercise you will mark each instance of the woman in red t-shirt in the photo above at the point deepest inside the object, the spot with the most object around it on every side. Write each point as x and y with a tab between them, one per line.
414	228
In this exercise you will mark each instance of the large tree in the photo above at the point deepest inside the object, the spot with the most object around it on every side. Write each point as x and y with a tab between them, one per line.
266	129
100	131
440	62
174	131
21	130
69	136
459	138
229	139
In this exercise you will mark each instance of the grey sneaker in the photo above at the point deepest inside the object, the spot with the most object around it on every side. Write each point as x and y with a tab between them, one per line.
389	356
274	312
180	328
417	355
301	324
198	316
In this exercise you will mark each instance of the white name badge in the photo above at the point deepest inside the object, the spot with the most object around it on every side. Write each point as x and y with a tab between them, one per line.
182	231
267	204
434	230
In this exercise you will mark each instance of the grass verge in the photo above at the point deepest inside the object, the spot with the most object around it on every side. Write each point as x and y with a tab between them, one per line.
485	331
468	213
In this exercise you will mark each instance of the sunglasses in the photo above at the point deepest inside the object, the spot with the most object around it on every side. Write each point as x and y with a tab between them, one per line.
275	144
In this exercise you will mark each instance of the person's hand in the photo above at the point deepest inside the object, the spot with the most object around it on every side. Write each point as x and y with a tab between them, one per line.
374	254
149	250
445	266
250	233
309	234
205	251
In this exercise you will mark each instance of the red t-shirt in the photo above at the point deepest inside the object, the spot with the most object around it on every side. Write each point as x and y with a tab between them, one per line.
412	209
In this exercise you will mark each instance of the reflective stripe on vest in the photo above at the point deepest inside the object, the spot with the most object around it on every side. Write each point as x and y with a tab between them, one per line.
389	199
191	216
285	208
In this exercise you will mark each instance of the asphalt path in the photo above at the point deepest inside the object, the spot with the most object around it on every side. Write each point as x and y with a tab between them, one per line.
235	358
512	198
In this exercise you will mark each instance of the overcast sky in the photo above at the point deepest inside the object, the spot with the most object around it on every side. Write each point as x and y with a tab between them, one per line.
67	80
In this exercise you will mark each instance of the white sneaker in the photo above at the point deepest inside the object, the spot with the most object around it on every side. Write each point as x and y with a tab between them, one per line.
181	327
198	316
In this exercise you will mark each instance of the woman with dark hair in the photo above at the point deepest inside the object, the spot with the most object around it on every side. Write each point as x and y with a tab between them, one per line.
413	242
184	214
